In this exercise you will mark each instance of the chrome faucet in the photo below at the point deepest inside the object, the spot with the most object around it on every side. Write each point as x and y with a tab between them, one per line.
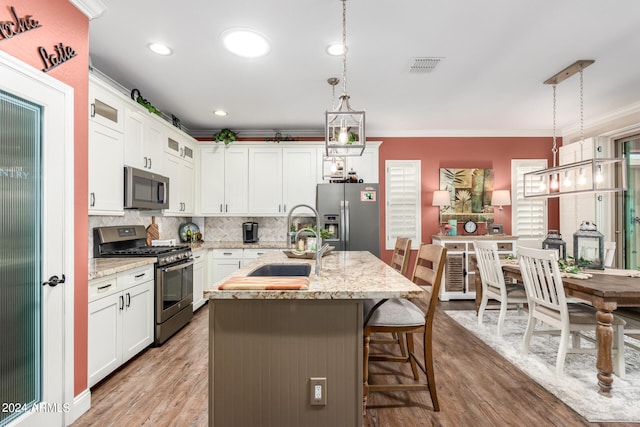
319	250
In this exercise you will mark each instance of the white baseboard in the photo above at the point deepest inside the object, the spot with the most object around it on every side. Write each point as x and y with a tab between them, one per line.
81	404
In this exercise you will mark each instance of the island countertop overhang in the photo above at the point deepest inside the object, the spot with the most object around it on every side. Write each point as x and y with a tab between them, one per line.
349	275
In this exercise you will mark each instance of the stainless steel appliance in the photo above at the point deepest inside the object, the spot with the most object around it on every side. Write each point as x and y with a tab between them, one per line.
145	190
250	232
173	274
352	213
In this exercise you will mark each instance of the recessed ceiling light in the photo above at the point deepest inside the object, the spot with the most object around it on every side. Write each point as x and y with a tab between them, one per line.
220	113
245	42
160	49
335	49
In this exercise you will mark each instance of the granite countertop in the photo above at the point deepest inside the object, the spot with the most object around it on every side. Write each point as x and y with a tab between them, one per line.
101	267
344	275
279	244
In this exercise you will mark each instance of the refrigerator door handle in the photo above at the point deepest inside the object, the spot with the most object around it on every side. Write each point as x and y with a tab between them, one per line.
342	222
347	220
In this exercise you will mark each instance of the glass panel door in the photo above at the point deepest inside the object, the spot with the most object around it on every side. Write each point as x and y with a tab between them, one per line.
631	210
20	255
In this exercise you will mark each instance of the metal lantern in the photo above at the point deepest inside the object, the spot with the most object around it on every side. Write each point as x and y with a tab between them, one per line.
588	246
554	241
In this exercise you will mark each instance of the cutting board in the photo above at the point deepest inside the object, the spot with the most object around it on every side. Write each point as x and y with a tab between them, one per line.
152	231
269	283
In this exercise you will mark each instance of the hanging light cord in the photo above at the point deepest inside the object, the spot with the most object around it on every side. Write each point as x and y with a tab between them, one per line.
581	112
344	47
554	150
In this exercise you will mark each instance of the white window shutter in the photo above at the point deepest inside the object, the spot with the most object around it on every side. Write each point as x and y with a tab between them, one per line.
528	216
403	201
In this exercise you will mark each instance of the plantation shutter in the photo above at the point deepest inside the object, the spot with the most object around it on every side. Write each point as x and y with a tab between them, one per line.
403	201
528	216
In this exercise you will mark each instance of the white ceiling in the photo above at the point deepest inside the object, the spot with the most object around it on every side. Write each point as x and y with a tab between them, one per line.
496	54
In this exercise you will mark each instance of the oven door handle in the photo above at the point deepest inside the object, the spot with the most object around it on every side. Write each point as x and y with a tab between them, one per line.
178	267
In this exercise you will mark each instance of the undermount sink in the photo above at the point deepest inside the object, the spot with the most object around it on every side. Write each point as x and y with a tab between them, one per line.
282	270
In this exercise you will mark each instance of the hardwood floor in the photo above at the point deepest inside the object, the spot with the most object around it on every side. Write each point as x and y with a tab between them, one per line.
167	386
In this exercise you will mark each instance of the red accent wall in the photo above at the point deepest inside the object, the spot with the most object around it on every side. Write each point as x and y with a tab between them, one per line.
460	152
63	23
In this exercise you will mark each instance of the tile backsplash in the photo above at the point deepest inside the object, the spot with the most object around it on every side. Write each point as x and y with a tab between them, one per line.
216	229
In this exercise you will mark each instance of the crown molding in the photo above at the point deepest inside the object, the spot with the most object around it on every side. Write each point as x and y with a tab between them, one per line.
91	8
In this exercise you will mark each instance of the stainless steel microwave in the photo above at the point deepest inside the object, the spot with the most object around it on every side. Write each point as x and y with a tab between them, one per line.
145	190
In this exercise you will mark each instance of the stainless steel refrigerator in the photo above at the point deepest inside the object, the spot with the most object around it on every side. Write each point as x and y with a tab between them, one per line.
352	213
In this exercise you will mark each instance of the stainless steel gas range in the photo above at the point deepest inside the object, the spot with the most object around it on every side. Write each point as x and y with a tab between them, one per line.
173	273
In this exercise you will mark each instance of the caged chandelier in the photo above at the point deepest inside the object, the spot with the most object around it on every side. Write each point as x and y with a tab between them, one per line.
344	127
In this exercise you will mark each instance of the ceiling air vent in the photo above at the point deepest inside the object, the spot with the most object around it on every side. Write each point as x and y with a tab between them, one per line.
424	64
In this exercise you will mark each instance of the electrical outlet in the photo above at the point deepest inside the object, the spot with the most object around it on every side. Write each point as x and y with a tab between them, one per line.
318	391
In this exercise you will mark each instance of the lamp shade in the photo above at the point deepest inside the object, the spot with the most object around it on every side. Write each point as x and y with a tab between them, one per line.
441	198
501	198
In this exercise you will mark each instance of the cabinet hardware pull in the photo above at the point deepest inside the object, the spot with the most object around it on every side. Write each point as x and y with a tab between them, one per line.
128	299
137	276
102	288
121	298
149	162
93	199
221	207
146	162
93	109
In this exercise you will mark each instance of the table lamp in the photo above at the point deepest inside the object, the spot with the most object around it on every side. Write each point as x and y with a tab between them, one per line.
500	198
442	199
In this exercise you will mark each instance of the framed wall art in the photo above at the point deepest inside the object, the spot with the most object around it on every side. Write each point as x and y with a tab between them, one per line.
470	192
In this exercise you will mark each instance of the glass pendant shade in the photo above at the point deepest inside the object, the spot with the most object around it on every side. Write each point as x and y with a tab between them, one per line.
602	175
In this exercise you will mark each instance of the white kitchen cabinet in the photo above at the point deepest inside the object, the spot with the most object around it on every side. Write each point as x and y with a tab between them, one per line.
280	178
144	140
265	181
459	277
105	168
224	180
300	175
180	168
105	106
225	262
120	321
199	278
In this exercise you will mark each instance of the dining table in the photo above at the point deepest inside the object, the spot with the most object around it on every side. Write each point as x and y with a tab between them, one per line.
606	290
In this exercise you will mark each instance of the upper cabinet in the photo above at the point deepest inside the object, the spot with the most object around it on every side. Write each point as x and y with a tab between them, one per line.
144	140
300	174
265	181
106	151
224	178
179	166
105	107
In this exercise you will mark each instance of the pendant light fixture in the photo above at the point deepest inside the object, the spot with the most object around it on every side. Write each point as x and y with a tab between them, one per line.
344	127
595	175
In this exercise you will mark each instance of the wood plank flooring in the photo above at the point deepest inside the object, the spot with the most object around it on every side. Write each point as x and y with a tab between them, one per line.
167	386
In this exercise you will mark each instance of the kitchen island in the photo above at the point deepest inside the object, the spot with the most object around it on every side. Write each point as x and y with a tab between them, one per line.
266	346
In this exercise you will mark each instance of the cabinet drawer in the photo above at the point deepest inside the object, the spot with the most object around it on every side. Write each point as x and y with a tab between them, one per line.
250	254
136	276
103	287
227	253
505	246
456	246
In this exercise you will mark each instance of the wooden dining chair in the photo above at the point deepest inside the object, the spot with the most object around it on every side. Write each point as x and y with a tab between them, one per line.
548	304
405	317
494	286
400	263
401	253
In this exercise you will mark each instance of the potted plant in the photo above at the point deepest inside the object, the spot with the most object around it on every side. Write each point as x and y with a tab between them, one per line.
226	136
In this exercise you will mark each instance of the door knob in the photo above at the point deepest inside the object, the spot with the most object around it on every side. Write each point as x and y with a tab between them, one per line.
54	281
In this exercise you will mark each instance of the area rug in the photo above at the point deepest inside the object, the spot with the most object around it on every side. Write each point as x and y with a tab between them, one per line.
578	387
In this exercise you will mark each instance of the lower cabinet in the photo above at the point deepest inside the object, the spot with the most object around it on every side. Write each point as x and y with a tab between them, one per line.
120	320
226	261
199	278
458	280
